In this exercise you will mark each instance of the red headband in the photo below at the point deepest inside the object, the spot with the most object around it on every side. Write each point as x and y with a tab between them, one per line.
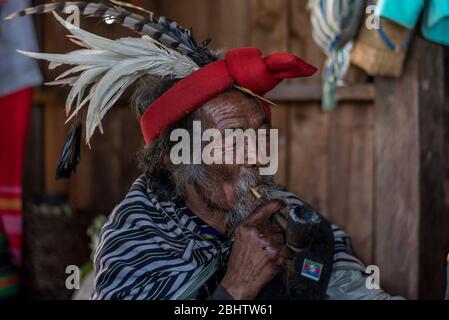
242	66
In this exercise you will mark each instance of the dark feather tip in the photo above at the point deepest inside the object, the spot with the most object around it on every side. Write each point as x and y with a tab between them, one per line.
70	154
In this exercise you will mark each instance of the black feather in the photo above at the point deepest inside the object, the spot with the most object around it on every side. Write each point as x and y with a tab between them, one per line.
70	154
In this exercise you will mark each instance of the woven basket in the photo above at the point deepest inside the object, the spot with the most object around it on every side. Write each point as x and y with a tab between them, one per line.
373	55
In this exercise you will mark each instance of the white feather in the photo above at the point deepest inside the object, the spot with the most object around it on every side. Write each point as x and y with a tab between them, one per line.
78	57
84	80
82	103
72	71
62	82
109	67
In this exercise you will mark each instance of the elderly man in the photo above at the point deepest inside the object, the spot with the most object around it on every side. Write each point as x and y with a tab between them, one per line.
189	231
195	230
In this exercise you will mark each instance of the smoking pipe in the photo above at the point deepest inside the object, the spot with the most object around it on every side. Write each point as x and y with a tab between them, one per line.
299	224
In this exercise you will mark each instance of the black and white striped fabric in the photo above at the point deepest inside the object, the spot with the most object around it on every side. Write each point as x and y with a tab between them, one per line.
151	248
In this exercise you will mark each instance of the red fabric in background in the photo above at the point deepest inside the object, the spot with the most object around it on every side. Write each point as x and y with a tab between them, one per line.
14	120
242	66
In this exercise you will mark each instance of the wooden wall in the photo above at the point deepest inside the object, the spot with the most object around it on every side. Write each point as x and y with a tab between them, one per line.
326	158
342	162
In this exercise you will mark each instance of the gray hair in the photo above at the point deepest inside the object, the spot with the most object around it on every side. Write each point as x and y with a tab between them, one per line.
153	157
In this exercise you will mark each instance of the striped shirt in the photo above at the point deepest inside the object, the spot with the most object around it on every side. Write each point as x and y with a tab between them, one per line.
153	248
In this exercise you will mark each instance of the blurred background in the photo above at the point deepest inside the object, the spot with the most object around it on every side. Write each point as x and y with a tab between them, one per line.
375	164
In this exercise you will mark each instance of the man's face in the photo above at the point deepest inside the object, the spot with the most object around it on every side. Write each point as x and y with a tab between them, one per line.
233	110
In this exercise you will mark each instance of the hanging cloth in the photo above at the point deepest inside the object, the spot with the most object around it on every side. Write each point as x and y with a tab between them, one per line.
335	23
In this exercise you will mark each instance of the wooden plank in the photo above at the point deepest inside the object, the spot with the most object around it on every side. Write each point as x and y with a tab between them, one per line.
106	164
269	32
301	42
446	156
114	165
280	122
350	174
81	197
55	133
229	26
429	59
131	142
224	21
308	124
269	25
308	154
408	180
192	13
33	171
293	91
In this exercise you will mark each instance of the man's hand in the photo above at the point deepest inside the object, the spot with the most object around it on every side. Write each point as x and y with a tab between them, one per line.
257	253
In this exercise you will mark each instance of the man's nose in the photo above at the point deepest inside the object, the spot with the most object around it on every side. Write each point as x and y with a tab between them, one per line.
253	150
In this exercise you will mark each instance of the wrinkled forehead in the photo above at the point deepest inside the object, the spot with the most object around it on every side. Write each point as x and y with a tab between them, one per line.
233	109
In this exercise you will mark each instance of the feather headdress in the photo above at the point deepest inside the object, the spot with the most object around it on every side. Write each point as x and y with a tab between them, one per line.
109	67
103	69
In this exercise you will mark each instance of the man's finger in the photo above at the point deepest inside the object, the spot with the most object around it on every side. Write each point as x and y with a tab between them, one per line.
264	211
273	227
276	238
